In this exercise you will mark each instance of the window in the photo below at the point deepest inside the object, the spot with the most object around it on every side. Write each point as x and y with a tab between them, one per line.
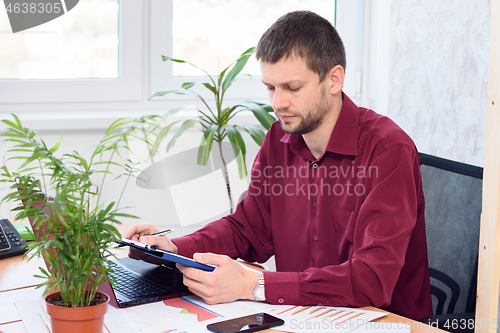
45	70
218	31
213	33
81	44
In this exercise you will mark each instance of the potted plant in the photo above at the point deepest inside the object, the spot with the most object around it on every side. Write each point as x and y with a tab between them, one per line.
215	119
78	227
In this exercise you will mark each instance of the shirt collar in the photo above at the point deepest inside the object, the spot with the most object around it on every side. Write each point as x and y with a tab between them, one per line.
344	137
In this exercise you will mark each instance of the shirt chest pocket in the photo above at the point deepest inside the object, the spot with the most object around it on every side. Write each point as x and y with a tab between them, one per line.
343	222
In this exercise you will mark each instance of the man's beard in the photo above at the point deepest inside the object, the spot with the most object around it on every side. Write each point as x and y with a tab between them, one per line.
312	119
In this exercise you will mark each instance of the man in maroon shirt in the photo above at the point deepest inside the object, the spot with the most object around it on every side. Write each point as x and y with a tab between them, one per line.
335	194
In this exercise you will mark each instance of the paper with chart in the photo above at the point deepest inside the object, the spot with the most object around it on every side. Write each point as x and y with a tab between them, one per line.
193	310
190	314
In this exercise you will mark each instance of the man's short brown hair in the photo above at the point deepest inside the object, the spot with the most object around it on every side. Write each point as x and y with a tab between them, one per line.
304	34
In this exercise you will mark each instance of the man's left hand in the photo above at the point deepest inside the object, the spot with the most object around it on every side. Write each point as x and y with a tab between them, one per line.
227	283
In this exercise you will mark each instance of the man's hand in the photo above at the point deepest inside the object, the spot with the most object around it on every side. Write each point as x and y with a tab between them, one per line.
142	233
227	283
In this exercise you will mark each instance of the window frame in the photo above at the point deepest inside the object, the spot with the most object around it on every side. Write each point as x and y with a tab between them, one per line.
161	78
125	88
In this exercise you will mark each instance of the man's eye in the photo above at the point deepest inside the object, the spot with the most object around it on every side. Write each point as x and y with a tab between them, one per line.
293	88
270	88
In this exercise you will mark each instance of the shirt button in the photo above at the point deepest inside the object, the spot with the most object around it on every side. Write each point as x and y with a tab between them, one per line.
315	237
281	301
315	165
315	204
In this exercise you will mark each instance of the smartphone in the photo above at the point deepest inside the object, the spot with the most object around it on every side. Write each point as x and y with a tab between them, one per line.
251	323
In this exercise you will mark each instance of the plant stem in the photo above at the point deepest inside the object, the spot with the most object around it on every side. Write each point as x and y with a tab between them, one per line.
226	176
45	189
125	186
104	176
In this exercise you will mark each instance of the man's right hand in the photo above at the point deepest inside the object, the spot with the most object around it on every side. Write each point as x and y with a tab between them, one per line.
143	233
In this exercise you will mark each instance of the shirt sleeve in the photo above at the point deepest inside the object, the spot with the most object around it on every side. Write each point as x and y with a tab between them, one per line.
384	228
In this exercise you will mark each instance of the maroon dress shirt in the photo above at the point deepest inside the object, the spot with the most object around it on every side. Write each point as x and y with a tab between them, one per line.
346	229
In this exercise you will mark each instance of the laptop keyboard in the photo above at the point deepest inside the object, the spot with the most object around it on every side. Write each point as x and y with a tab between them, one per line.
133	287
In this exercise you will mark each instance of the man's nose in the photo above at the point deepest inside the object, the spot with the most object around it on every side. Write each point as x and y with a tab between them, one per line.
280	100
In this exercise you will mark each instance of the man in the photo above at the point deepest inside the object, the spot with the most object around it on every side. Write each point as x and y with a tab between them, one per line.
335	194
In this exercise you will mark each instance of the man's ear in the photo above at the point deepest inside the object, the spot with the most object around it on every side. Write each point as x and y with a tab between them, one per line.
336	79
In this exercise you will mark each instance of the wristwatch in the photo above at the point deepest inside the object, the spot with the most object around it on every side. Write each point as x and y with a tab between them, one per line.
259	292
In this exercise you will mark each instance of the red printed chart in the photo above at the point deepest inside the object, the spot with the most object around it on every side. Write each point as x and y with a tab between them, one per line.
190	308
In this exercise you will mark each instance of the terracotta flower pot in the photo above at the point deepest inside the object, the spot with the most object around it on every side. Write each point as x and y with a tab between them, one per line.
87	319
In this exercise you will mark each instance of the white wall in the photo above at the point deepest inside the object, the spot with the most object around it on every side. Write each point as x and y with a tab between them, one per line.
439	53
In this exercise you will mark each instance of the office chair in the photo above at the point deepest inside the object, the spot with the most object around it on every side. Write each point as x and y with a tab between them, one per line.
453	202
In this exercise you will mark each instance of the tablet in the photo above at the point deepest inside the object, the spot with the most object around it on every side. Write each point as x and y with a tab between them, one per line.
167	256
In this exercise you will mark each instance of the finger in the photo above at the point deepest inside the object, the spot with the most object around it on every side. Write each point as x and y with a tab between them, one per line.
211	258
131	231
161	242
202	289
181	267
194	276
137	230
195	286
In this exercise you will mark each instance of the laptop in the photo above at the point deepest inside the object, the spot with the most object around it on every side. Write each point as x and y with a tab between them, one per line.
137	282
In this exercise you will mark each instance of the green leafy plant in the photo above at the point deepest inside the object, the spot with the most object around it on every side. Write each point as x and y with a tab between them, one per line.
78	226
215	120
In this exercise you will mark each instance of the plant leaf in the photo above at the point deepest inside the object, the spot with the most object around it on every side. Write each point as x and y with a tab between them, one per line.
56	146
165	58
11	124
206	145
256	133
210	87
185	125
117	123
184	92
163	133
261	113
239	150
187	85
237	68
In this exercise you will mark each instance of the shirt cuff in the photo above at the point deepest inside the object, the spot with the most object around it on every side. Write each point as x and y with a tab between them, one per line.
282	287
186	246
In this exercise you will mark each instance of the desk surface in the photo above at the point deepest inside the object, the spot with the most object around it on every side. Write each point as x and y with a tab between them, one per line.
17	274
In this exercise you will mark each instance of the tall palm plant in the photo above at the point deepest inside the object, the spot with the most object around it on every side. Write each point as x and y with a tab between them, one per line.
215	119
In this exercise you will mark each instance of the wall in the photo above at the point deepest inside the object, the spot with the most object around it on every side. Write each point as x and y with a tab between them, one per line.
439	52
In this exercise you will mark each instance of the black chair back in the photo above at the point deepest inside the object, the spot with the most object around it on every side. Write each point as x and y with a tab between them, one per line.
453	202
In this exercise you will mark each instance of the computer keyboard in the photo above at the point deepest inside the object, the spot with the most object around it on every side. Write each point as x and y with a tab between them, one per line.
132	286
11	243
